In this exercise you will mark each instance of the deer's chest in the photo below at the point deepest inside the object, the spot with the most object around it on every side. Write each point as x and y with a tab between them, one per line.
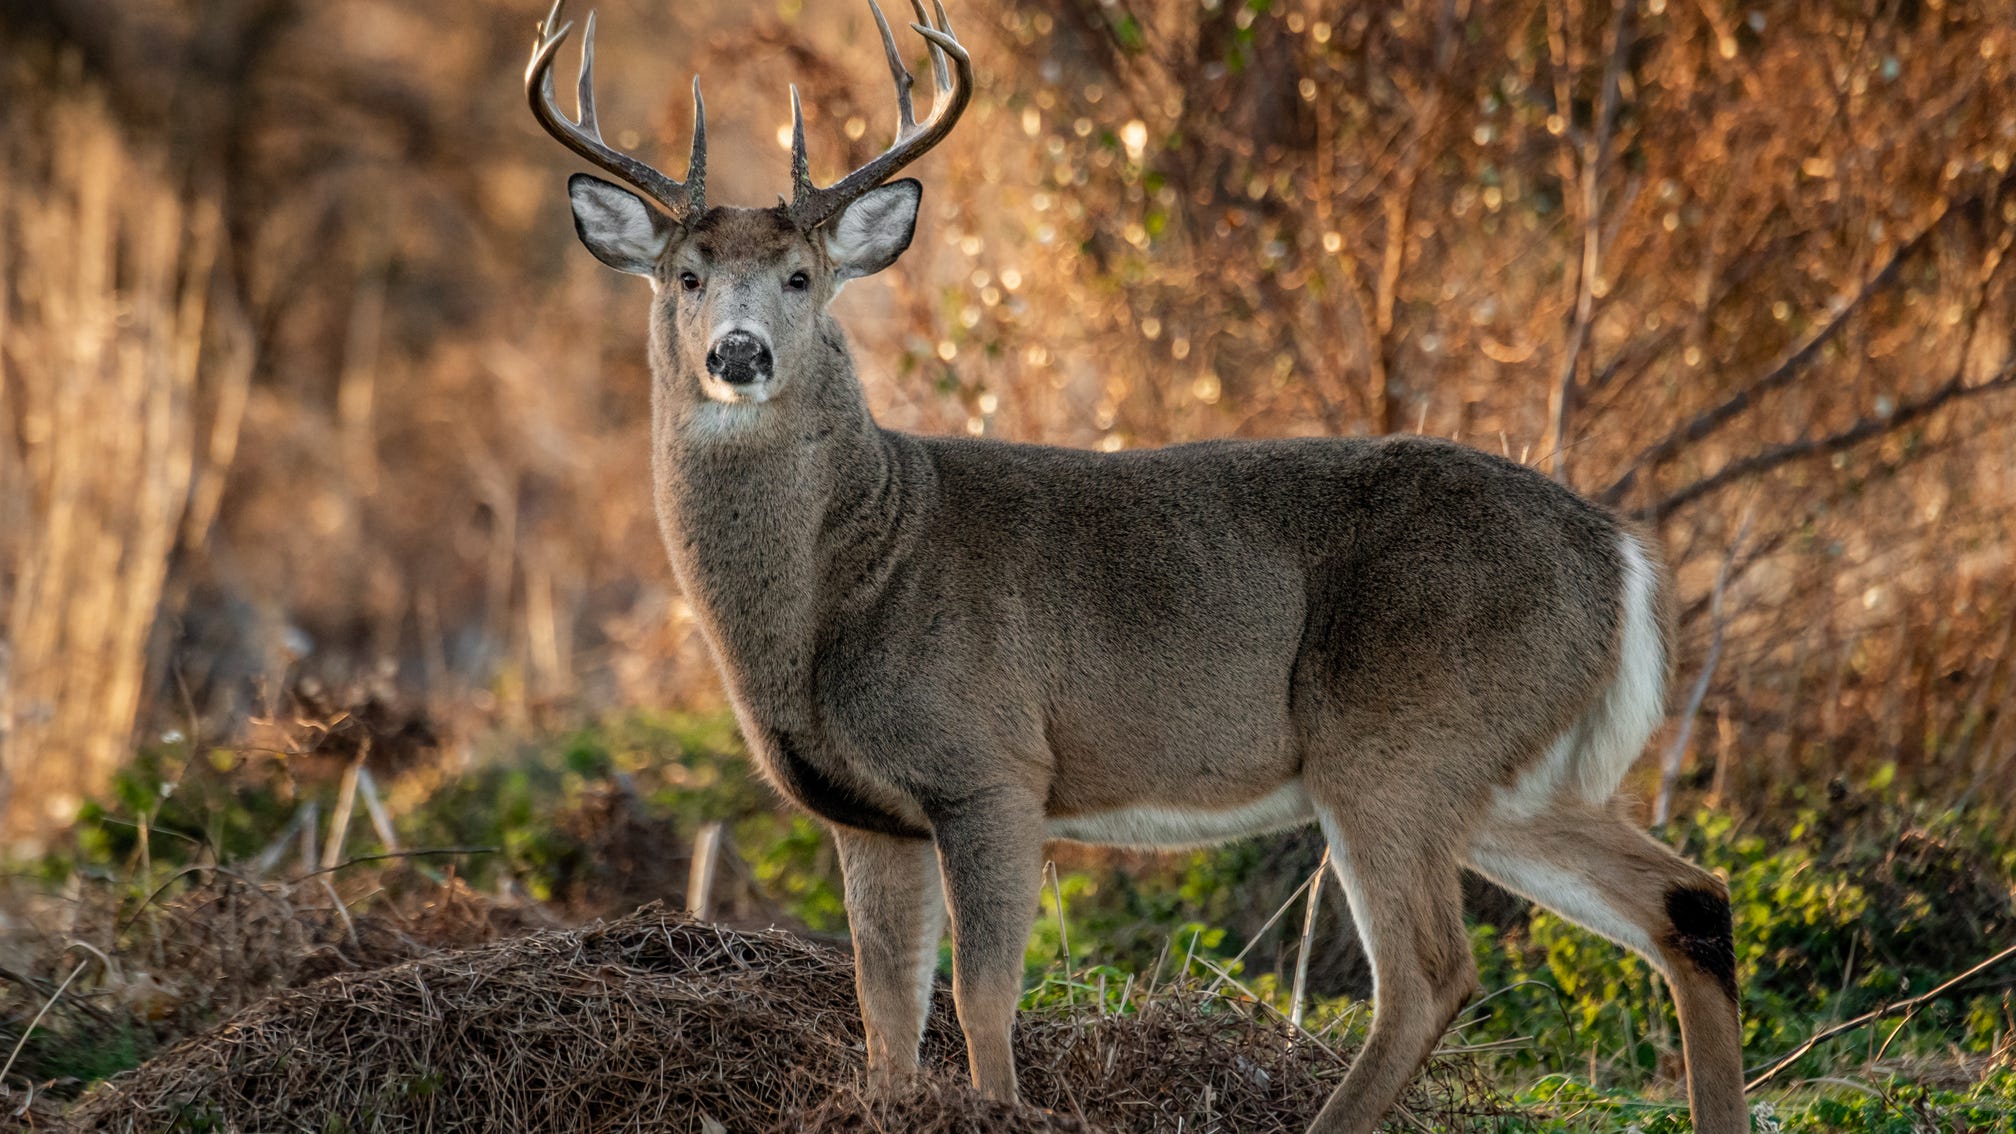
806	773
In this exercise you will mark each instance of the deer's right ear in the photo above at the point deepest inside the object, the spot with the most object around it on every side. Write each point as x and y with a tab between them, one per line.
617	226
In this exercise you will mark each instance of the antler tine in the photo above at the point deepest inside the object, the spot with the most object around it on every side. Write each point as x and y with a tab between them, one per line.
905	113
584	85
952	68
940	80
801	166
696	159
942	44
584	137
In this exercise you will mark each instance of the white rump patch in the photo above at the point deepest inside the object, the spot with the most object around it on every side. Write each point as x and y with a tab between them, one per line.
1167	827
1590	759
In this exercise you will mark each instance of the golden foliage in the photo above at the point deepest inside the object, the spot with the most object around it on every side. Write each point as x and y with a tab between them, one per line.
1742	273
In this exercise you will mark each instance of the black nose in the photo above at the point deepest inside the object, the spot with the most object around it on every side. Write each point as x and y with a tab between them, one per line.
739	358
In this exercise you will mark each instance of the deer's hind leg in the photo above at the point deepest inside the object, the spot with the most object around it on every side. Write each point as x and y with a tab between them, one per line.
1594	868
896	912
1400	873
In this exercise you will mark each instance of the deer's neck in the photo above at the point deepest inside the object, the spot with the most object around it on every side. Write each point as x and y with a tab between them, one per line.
773	524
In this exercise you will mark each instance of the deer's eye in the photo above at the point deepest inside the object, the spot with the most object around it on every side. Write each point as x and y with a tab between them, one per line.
799	281
689	281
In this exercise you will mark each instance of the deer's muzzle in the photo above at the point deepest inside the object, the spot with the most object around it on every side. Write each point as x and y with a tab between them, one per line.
739	358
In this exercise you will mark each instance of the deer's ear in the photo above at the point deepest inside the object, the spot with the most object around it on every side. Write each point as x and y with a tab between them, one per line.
874	230
616	225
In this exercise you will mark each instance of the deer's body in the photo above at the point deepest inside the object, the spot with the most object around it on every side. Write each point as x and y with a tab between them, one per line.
1153	635
952	650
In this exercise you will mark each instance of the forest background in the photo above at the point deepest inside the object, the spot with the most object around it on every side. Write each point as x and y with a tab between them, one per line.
323	445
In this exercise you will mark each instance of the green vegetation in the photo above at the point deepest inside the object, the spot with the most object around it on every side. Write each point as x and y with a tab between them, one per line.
1832	923
1851	906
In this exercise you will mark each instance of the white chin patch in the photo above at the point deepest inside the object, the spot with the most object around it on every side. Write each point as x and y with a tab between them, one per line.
728	393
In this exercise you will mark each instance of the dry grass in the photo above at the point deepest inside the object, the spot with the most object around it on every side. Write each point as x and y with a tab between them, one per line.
656	1022
937	1105
181	964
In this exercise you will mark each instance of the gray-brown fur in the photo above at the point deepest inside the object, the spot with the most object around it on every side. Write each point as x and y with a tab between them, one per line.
950	648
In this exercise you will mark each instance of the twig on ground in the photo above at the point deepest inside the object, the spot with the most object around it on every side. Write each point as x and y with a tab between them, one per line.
363	858
1264	927
269	858
48	1004
1256	998
199	868
1560	1003
346	805
381	819
1771	1070
1308	940
1063	932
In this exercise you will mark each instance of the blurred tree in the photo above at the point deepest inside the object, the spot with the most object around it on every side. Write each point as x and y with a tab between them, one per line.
297	334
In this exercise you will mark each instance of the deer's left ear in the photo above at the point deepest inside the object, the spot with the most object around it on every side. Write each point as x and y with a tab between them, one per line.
874	230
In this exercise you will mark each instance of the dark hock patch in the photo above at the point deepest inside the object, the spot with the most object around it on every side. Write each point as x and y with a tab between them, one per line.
810	787
1702	933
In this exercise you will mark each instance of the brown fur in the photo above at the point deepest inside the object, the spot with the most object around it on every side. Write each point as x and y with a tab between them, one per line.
953	644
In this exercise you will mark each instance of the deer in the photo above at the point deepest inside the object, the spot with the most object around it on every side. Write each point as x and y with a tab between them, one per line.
952	650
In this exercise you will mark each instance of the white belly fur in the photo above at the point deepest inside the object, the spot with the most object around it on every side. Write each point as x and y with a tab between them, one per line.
1161	825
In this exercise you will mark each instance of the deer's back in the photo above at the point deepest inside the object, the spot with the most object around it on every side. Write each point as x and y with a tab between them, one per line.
1215	604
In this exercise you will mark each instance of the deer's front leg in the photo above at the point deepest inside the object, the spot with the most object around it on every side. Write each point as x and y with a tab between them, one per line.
896	912
990	847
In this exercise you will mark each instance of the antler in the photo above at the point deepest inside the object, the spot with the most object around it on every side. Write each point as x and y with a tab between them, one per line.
683	200
811	206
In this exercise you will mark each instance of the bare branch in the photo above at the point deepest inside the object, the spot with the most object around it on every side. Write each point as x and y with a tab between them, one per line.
1669	772
1595	154
1715	418
1854	435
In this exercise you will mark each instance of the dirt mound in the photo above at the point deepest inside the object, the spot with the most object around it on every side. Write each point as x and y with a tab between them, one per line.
206	944
656	1022
936	1105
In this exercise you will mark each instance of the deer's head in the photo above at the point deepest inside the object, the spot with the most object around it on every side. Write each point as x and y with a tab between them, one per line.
741	293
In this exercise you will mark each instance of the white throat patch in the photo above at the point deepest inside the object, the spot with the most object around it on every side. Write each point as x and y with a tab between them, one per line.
728	394
725	418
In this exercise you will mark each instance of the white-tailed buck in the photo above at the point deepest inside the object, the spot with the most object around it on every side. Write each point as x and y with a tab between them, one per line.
952	650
